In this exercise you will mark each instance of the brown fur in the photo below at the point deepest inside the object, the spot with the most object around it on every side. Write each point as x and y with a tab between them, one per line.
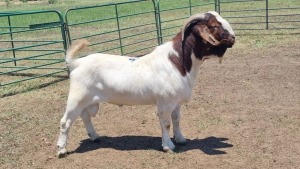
175	60
76	46
193	42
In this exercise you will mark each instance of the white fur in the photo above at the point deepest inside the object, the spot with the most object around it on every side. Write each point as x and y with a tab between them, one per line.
149	80
119	80
122	80
224	23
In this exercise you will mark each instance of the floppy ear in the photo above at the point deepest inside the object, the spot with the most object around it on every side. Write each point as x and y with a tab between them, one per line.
206	35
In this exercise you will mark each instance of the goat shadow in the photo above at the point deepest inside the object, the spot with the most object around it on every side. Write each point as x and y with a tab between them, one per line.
209	145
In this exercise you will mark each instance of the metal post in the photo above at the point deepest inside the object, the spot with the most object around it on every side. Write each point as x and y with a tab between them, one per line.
216	5
64	31
219	6
12	41
66	36
157	21
67	31
119	31
267	14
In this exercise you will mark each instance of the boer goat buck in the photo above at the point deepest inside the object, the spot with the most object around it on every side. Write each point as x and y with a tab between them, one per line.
164	78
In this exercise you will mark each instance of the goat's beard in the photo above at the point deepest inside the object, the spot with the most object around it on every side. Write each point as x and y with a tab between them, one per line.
220	59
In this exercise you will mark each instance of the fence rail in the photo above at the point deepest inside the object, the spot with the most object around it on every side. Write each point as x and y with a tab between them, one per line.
113	33
30	47
33	44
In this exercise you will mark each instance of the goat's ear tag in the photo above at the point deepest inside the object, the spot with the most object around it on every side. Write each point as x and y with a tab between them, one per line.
204	33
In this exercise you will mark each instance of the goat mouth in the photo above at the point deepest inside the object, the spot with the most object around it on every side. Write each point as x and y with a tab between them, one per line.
227	43
230	44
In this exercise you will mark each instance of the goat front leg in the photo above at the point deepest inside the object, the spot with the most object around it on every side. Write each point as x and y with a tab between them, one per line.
165	124
179	138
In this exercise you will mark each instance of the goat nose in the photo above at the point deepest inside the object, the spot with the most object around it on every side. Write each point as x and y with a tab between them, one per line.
232	39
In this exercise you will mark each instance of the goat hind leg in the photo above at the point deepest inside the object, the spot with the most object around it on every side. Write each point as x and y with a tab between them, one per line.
73	110
65	125
86	118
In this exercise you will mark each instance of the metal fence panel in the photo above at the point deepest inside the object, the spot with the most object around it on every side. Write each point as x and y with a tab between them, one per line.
284	15
127	28
245	15
173	13
32	45
261	15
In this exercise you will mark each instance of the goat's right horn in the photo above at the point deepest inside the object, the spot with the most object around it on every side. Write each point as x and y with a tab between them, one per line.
191	20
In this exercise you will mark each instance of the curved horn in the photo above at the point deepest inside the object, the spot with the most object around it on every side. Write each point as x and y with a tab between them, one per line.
192	19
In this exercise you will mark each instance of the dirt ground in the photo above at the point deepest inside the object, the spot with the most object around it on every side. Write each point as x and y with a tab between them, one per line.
244	113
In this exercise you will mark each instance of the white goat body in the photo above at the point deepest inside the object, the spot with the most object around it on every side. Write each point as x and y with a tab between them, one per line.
124	80
164	78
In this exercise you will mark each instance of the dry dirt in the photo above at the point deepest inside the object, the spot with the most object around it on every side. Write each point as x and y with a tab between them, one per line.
244	113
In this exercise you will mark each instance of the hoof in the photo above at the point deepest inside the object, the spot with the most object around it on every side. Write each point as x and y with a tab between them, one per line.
168	149
62	153
181	143
95	139
180	140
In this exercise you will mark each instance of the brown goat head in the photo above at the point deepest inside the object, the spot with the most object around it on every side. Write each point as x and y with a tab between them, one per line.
202	35
211	27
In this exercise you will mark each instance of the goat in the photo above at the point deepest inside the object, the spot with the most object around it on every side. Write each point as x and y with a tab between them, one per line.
164	78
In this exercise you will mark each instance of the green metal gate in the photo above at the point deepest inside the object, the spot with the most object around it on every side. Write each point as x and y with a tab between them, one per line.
32	45
251	16
173	13
116	28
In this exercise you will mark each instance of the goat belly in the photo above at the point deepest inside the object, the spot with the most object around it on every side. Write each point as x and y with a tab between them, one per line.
129	99
142	96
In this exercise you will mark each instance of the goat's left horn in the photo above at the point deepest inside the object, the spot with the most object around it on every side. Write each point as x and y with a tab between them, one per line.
191	20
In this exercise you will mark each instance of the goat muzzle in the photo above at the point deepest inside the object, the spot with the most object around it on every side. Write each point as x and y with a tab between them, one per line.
229	42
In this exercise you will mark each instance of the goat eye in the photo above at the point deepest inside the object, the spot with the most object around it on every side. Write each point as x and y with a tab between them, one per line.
213	28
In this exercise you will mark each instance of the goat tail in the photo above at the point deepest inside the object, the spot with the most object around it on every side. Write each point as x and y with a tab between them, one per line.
75	47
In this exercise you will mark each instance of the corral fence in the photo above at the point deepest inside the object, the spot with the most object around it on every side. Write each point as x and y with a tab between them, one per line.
33	44
31	48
